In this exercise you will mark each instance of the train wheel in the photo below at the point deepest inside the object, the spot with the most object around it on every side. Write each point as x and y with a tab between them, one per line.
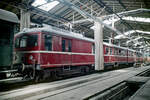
38	76
53	75
115	65
91	69
84	70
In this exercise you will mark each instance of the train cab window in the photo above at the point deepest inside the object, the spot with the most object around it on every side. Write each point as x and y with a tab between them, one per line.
63	45
48	42
106	50
26	41
23	41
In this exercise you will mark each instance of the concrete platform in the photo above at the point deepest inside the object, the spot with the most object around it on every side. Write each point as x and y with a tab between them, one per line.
143	93
84	91
73	89
138	79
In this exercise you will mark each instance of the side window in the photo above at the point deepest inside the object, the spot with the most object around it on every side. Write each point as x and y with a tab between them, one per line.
93	48
119	52
125	54
106	50
66	45
110	51
69	46
122	52
63	45
48	42
115	51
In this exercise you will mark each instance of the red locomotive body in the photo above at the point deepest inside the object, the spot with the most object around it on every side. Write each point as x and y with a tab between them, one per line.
54	49
57	51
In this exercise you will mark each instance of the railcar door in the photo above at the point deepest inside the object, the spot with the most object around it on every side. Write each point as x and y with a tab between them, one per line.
66	50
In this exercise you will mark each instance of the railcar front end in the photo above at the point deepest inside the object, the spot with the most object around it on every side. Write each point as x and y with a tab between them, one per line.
26	55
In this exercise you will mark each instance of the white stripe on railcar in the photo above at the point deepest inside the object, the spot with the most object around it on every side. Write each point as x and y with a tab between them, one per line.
69	53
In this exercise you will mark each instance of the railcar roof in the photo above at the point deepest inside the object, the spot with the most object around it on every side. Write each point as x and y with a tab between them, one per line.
112	45
8	16
55	30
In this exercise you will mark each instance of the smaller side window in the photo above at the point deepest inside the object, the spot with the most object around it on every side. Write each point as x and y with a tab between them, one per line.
106	50
69	46
63	45
48	42
122	52
119	52
110	51
93	48
115	51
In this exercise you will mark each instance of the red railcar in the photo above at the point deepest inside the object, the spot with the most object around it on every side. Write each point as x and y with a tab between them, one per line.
55	51
139	57
116	55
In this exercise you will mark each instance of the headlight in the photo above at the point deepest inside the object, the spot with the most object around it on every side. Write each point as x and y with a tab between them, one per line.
31	57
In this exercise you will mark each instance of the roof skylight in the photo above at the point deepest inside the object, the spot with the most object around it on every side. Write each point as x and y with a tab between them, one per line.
130	32
44	5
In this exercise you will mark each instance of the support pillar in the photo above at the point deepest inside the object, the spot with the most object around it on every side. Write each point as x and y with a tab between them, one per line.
98	37
24	20
112	34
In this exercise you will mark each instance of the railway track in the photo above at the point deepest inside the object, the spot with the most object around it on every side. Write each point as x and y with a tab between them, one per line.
18	82
52	89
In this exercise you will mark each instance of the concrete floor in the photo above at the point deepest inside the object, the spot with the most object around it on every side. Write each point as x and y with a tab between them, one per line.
77	88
